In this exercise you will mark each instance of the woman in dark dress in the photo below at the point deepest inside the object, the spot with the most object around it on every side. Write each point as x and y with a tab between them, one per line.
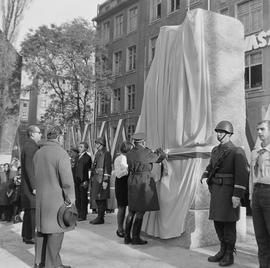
121	188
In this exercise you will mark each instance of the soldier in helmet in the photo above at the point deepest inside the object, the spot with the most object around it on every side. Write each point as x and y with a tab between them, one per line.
100	179
227	178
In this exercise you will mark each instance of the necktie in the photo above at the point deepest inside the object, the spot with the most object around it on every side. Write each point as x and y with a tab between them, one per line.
258	164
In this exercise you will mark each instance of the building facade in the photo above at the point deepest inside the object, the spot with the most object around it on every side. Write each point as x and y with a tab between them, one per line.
128	31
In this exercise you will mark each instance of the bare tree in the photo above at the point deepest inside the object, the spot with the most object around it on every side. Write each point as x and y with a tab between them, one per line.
11	13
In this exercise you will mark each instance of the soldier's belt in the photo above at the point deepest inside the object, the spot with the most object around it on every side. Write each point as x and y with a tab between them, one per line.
223	179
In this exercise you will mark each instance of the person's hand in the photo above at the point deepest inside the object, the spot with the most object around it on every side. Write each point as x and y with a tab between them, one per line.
104	185
34	192
236	201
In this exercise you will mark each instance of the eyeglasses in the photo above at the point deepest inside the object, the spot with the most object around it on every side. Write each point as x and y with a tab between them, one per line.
37	132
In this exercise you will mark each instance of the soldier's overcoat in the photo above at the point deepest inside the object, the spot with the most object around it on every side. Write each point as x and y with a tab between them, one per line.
142	192
231	179
101	171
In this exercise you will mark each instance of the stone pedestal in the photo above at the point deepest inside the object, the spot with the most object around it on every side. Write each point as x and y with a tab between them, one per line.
200	231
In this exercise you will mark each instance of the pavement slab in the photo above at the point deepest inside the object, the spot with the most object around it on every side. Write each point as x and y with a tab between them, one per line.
98	246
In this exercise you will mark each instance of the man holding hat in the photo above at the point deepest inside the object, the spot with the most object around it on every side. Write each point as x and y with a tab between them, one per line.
55	197
142	193
227	178
100	179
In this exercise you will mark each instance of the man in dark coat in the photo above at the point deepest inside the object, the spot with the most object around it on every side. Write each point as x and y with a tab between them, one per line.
83	166
28	184
100	179
227	177
55	187
142	193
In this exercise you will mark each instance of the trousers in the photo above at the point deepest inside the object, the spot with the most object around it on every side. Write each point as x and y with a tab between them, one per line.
226	232
261	222
49	249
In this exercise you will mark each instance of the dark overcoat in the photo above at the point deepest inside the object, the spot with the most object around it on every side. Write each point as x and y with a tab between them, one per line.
142	192
101	171
83	166
231	179
28	179
54	184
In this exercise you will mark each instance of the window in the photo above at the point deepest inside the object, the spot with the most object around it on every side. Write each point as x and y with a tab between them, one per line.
105	32
131	58
250	13
104	105
118	26
132	19
116	100
43	104
224	11
155	10
117	62
130	131
253	70
25	105
130	98
173	5
152	48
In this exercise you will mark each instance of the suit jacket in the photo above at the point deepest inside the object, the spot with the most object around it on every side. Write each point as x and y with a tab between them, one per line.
28	179
83	166
54	185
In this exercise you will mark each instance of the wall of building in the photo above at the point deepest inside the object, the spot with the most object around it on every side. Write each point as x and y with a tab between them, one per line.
257	100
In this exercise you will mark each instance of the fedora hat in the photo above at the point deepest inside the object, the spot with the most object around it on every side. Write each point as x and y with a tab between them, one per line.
67	216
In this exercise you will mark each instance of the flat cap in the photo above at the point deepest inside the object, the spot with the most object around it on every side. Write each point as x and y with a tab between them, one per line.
139	136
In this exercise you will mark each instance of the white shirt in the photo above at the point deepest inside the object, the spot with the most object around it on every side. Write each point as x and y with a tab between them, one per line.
120	166
260	167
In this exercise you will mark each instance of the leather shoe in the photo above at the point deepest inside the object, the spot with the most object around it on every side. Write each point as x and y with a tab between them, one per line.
97	221
81	219
120	233
29	241
63	266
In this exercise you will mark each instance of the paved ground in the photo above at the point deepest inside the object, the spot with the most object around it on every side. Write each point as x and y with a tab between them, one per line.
98	246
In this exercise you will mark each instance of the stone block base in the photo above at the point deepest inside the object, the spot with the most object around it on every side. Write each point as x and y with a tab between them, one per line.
200	231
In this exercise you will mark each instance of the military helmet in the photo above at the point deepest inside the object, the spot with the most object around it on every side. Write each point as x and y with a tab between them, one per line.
100	140
224	126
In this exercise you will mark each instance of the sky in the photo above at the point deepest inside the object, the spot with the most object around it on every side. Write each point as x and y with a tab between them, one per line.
46	12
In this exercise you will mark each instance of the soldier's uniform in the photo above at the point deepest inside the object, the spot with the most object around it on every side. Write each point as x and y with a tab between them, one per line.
228	174
101	172
142	193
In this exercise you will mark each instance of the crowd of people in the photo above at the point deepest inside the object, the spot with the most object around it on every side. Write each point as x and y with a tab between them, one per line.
52	187
10	192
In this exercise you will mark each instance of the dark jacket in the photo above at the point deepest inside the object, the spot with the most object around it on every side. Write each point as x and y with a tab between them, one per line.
142	193
101	171
28	179
231	179
83	166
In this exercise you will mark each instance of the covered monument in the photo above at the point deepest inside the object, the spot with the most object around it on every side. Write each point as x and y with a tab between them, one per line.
196	80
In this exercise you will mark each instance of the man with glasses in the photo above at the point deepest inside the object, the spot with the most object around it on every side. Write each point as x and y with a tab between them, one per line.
28	185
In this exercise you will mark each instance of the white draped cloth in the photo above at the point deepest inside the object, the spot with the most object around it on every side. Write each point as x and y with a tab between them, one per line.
180	110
